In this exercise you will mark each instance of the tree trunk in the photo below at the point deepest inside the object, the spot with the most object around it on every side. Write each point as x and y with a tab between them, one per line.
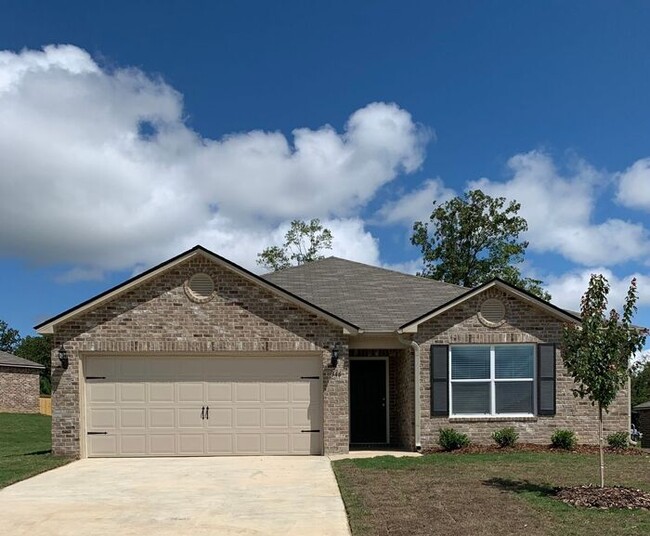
600	446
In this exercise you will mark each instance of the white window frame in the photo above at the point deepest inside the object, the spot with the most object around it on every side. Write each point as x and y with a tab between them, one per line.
492	380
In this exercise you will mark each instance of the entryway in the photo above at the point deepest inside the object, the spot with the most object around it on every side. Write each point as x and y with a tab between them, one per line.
369	401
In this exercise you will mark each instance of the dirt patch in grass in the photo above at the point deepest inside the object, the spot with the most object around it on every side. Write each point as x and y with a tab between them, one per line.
596	497
486	493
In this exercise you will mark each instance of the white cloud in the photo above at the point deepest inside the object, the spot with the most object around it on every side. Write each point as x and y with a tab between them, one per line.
416	205
567	289
561	210
634	185
80	185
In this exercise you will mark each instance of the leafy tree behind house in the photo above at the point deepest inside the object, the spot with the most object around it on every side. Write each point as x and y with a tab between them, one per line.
597	353
641	385
472	239
303	242
9	338
38	349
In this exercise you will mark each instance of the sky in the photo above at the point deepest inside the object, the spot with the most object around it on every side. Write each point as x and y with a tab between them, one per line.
129	134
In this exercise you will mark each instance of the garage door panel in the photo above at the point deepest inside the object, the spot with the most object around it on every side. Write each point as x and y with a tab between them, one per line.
101	392
301	417
276	443
133	418
276	392
191	444
276	417
219	392
248	417
162	418
152	406
102	445
190	392
220	418
162	444
247	392
133	445
220	443
132	392
102	419
248	443
302	391
161	392
189	418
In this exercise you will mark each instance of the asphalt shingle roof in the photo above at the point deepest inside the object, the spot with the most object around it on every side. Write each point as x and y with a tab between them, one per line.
375	299
10	360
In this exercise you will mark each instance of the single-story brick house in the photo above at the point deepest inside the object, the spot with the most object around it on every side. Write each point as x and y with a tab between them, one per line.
198	356
19	384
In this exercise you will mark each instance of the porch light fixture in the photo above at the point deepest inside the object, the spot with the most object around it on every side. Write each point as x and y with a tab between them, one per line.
335	354
63	358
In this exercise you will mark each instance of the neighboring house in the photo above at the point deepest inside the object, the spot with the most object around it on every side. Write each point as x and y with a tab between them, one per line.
199	356
19	384
644	422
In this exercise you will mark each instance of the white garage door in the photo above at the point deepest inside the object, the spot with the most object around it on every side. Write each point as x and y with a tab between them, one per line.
185	406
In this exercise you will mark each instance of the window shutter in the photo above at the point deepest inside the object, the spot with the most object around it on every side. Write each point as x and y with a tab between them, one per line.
439	380
546	379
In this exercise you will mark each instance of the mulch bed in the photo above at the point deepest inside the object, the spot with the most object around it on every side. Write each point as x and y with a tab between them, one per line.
603	498
530	447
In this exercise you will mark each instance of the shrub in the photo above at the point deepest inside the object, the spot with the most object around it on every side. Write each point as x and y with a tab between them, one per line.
618	440
506	437
450	439
563	439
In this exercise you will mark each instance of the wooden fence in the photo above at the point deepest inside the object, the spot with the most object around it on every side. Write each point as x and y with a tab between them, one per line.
45	405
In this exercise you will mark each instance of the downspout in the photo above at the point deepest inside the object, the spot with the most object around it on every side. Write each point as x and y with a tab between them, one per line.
416	371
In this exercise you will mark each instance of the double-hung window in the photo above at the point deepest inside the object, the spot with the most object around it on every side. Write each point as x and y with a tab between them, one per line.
492	380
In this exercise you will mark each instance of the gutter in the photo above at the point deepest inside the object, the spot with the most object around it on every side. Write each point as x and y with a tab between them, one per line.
416	372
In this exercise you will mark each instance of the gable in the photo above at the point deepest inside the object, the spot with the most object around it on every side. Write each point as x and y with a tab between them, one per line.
162	270
486	289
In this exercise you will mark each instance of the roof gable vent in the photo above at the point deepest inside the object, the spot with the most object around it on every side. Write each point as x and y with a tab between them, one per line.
492	312
200	287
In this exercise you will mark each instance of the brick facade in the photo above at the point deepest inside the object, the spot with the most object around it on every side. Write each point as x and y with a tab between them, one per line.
19	390
524	324
157	316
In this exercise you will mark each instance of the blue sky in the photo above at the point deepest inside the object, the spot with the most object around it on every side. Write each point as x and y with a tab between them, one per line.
128	134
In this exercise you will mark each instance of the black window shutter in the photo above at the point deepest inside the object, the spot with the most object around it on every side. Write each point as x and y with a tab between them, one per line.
439	379
546	379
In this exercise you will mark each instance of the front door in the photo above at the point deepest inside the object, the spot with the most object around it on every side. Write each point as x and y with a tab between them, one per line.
368	417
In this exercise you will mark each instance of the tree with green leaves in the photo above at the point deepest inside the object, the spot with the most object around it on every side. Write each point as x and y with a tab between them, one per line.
9	338
303	242
472	239
38	349
597	353
641	384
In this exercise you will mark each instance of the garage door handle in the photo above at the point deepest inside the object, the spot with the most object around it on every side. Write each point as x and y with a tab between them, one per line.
207	412
202	412
309	431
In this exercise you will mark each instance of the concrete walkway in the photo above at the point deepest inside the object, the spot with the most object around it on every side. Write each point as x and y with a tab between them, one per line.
164	496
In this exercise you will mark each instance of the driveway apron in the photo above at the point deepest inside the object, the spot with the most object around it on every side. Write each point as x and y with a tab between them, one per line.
164	496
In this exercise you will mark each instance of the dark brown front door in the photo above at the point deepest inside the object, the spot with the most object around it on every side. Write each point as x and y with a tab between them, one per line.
368	401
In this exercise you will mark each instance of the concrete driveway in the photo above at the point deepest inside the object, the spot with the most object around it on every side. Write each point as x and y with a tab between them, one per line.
164	496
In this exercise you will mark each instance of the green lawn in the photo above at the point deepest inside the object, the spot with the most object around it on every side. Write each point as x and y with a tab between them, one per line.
25	447
485	494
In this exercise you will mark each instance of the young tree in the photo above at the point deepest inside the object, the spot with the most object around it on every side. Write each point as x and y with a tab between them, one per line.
472	239
38	349
9	338
303	243
597	353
